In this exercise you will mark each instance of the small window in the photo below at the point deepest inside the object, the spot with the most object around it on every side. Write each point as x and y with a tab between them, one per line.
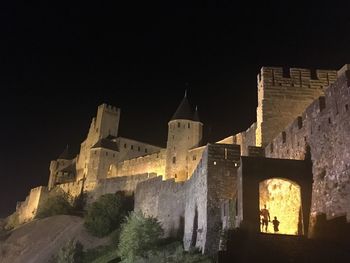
174	159
132	147
178	125
124	145
95	152
284	137
106	153
189	125
346	107
175	176
138	148
145	150
329	120
271	147
225	153
194	157
113	155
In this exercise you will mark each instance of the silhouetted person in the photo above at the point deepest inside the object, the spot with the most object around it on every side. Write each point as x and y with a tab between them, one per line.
265	217
275	223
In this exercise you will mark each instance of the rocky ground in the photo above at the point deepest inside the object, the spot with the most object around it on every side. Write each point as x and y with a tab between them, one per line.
39	240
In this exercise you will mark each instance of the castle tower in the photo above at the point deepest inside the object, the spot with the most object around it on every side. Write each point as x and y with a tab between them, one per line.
104	125
283	95
184	133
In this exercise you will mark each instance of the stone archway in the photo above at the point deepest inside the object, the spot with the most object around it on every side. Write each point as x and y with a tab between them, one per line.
282	198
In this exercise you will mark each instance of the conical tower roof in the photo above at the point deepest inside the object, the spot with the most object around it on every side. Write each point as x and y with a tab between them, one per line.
65	155
184	111
196	115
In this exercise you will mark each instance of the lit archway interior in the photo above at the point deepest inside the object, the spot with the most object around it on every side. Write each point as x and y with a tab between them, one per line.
283	200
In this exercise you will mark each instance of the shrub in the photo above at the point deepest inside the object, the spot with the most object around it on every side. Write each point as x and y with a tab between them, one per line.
105	215
173	253
70	253
139	235
57	204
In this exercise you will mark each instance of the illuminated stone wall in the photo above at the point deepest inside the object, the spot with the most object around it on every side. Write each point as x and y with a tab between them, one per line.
283	95
246	139
106	123
213	181
182	136
163	200
152	163
27	209
194	156
325	128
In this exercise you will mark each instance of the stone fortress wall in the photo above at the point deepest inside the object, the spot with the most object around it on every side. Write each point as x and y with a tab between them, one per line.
208	174
282	95
323	128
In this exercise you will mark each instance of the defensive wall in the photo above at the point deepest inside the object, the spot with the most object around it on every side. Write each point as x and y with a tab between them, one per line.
323	130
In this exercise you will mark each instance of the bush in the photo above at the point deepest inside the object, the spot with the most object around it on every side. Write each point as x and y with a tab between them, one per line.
105	215
71	253
57	204
173	253
139	235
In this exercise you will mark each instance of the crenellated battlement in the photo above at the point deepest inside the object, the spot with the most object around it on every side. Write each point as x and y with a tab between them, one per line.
296	77
108	108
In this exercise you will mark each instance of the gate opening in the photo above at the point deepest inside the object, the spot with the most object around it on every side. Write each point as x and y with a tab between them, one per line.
282	199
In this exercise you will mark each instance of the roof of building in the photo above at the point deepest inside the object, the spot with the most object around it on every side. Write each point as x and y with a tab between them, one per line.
196	115
66	155
185	112
106	144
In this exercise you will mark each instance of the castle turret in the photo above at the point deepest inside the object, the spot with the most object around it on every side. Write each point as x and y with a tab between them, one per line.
184	133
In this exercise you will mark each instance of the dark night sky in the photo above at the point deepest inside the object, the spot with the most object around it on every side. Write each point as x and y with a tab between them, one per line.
59	62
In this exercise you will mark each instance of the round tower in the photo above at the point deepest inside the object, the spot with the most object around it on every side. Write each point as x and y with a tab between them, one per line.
184	133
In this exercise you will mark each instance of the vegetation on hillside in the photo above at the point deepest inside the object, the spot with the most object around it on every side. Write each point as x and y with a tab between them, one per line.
106	214
57	203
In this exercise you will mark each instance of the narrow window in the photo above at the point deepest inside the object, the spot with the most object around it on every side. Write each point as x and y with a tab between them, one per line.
346	107
132	147
194	158
113	155
124	145
106	153
225	153
145	150
329	120
175	176
271	147
138	148
173	137
284	136
178	125
174	159
189	125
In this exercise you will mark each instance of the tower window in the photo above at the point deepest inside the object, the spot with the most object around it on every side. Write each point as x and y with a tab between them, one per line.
138	148
145	150
178	125
284	136
113	155
132	147
189	125
346	107
124	145
194	158
174	159
175	176
106	153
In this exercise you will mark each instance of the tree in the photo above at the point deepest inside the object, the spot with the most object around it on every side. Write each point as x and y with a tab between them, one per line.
71	253
105	215
138	236
57	204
